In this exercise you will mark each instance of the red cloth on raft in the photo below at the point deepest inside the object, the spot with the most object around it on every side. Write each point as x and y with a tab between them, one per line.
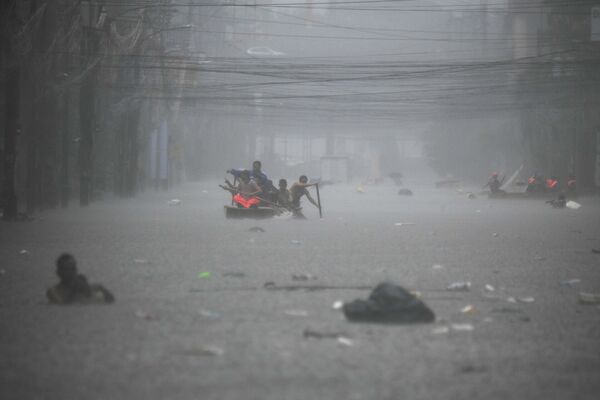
246	203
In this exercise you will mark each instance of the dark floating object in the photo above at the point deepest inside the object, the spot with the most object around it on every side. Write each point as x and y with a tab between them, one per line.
309	333
389	303
234	274
256	229
405	192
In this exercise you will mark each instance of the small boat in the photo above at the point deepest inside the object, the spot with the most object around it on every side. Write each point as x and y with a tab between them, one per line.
255	212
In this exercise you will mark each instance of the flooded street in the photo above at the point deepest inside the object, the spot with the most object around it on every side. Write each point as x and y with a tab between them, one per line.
193	318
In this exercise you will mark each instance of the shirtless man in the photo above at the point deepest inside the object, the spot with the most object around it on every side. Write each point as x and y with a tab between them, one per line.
298	190
284	197
245	194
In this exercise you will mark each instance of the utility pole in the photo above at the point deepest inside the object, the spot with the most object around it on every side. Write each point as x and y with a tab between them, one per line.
11	115
11	118
87	97
65	149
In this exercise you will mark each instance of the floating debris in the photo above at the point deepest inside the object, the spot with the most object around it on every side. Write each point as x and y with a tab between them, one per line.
234	274
294	241
389	303
204	275
573	205
468	309
309	333
489	288
345	341
24	252
468	369
526	299
459	286
297	313
507	310
144	315
174	202
204	351
338	305
462	327
303	277
570	282
209	314
404	224
440	330
511	300
589	298
256	229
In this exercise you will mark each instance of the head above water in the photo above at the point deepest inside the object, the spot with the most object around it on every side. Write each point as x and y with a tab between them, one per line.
303	179
66	267
245	175
256	165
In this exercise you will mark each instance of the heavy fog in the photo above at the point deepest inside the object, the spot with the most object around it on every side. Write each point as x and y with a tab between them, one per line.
299	199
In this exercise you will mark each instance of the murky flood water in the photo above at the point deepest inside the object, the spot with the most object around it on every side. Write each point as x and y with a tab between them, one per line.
194	320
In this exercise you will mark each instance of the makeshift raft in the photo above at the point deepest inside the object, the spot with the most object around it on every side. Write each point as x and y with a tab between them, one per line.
254	213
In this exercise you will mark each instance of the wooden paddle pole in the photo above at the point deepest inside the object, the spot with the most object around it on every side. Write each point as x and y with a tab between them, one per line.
232	195
319	201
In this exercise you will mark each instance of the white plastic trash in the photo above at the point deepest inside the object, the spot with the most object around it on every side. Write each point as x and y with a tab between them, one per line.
573	205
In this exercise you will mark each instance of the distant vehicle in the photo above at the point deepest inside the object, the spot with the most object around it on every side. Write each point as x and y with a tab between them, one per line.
264	51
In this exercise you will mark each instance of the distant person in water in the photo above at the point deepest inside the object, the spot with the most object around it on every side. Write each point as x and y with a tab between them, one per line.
495	183
74	287
284	197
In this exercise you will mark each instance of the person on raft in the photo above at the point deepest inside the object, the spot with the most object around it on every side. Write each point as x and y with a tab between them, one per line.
245	195
297	191
268	191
